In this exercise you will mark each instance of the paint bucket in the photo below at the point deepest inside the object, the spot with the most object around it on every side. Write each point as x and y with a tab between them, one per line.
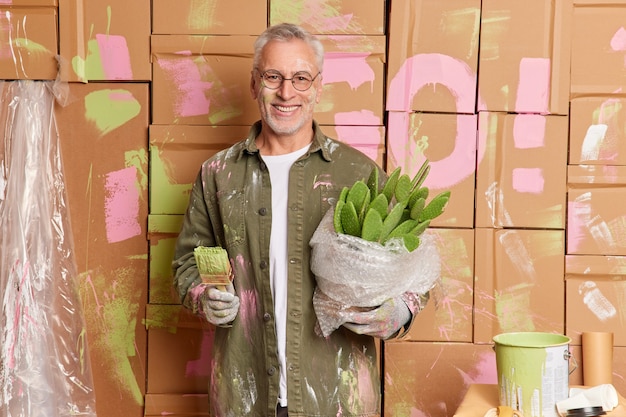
533	371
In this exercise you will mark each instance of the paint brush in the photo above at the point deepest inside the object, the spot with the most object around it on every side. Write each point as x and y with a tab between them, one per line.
213	265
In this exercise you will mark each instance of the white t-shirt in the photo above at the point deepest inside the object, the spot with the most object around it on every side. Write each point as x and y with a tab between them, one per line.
279	166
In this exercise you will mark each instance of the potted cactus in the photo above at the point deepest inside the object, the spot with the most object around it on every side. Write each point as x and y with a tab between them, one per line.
371	245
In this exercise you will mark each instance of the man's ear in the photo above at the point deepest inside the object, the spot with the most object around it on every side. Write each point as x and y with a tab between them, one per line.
253	86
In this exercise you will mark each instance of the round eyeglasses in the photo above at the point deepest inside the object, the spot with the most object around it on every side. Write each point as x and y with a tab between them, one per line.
301	80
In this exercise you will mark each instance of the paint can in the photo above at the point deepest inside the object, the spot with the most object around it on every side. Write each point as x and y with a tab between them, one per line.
533	371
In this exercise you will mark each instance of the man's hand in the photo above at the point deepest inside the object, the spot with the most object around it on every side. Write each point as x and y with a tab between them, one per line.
384	321
219	307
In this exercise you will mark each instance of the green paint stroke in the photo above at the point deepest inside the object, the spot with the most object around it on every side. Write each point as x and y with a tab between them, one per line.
201	14
172	197
513	308
112	320
30	46
163	317
139	160
92	64
109	109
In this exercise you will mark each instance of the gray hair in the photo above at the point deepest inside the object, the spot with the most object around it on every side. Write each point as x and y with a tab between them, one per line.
285	32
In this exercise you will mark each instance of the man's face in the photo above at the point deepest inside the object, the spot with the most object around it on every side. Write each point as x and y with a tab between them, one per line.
286	110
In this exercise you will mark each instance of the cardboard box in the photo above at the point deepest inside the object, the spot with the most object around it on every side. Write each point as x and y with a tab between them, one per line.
353	79
596	134
202	80
525	56
448	315
163	230
595	296
594	219
176	405
29	3
345	17
430	379
208	17
172	328
433	55
176	154
105	40
448	141
521	176
518	282
103	131
368	139
28	43
603	50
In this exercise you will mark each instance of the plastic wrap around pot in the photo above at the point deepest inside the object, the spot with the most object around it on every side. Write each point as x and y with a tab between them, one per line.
356	272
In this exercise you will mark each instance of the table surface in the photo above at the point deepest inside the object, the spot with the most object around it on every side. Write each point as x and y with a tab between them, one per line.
480	398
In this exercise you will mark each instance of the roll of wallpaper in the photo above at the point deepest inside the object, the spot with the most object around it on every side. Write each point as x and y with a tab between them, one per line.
597	350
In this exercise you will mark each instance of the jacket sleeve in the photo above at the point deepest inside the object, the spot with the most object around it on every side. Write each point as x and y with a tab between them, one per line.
196	231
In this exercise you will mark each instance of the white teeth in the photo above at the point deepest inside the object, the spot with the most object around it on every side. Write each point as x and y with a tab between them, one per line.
286	109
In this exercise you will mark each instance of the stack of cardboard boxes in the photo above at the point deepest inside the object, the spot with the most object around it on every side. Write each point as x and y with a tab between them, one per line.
518	105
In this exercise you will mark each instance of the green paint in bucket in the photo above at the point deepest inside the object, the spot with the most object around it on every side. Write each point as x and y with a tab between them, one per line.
533	371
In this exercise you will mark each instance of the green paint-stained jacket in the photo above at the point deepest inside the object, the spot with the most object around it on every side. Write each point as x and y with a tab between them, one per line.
230	206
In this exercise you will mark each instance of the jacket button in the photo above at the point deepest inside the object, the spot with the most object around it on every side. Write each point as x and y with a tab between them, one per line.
267	317
263	264
271	370
262	211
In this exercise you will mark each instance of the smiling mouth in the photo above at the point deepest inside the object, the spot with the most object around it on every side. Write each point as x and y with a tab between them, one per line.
286	109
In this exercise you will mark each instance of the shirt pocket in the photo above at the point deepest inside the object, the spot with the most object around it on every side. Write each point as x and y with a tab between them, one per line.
231	204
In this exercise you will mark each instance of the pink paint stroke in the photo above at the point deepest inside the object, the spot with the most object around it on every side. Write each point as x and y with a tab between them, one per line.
115	57
533	89
351	68
446	172
121	205
529	131
424	70
367	139
528	180
191	91
618	41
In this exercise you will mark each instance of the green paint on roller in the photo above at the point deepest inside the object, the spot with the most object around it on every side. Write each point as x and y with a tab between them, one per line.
533	371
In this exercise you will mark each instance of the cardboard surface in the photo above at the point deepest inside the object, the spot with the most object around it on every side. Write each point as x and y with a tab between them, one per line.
176	154
177	405
202	80
353	81
209	17
28	43
596	133
518	282
448	141
105	41
602	50
521	176
104	135
172	328
594	221
524	56
449	310
595	286
162	232
430	379
433	55
345	17
368	139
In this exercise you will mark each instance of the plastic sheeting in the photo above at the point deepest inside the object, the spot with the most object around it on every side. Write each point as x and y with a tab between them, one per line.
354	274
45	369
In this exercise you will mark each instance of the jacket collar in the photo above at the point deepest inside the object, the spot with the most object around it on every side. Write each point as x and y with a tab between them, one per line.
321	142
